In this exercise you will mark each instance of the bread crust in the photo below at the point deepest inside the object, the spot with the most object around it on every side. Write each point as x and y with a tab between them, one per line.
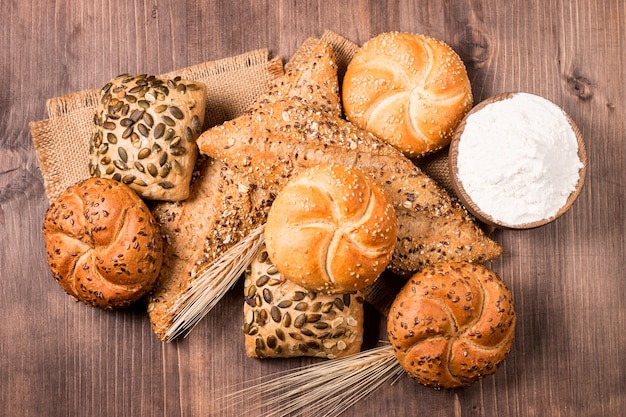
452	324
103	245
410	90
283	319
281	139
331	229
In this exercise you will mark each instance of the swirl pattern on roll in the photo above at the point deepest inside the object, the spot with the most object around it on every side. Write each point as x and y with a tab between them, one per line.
331	229
452	324
103	244
408	89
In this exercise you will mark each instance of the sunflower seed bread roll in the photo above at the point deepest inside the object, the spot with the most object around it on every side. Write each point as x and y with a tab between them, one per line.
408	89
282	319
103	245
452	324
145	133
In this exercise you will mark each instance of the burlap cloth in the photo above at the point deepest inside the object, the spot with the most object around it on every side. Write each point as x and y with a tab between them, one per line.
62	141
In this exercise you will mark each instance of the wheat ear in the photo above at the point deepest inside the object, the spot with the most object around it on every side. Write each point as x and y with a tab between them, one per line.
325	388
211	283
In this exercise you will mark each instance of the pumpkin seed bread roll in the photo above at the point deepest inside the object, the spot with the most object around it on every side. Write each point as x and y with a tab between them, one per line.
408	89
103	245
452	324
283	320
145	134
331	229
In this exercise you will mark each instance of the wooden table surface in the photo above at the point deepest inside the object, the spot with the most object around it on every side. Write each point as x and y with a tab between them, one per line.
62	358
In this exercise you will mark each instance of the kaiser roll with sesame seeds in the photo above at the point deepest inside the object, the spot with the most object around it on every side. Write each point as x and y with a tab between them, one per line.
408	89
145	134
452	324
103	245
331	229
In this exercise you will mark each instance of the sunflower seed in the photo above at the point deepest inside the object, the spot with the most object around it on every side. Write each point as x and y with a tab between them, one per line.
162	158
164	171
108	125
280	334
189	136
301	306
262	280
298	296
178	170
276	314
143	130
127	179
152	169
178	151
143	153
195	124
271	341
168	121
286	322
126	133
120	165
299	321
176	112
159	130
123	154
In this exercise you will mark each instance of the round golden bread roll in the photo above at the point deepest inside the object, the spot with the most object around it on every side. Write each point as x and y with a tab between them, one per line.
331	229
103	245
408	89
452	324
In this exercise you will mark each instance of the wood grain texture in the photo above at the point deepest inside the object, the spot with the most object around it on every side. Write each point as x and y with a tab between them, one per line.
61	358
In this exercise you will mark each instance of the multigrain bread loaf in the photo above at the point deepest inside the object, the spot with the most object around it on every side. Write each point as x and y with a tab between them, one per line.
103	245
331	229
452	324
282	319
282	138
410	90
145	132
224	207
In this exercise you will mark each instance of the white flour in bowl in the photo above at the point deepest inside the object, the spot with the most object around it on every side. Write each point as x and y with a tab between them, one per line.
518	159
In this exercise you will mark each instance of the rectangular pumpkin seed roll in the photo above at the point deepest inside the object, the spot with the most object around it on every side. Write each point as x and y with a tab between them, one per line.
282	319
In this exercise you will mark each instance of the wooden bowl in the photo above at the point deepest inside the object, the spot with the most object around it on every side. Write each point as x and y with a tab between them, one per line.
472	207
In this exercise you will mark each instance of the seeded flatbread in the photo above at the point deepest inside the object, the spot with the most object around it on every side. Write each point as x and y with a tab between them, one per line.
283	320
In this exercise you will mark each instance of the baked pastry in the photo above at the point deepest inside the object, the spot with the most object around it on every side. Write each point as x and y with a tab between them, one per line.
408	89
103	245
282	319
286	137
145	132
224	207
452	324
331	229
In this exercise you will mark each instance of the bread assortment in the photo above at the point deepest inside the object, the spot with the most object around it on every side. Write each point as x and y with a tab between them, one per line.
145	132
340	201
409	89
283	319
452	324
277	141
102	243
331	229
